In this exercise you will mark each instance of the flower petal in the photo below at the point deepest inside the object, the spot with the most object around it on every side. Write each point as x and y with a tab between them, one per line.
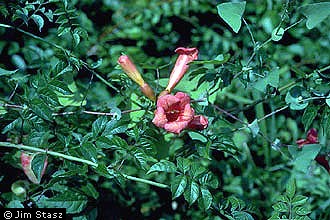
187	114
160	118
198	123
192	52
184	98
186	55
167	101
312	136
176	126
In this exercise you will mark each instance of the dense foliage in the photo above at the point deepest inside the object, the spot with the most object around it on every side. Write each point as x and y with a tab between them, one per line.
76	131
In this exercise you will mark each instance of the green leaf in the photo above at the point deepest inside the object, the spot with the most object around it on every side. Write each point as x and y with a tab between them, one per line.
309	115
325	121
119	142
76	39
210	180
254	127
302	211
136	116
299	200
178	185
97	64
14	204
2	110
183	164
49	15
271	79
280	207
241	215
90	190
302	158
99	125
197	136
71	201
315	13
114	127
163	166
40	108
192	192
104	142
104	171
196	169
291	188
294	98
231	13
38	20
18	61
49	96
88	151
4	72
38	164
142	158
277	34
205	200
283	198
60	87
327	100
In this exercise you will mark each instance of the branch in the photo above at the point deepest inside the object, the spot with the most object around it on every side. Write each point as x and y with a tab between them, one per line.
273	113
75	112
77	159
229	114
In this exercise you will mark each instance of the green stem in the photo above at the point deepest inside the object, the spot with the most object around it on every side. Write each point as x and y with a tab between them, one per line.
136	179
56	154
33	36
99	77
324	69
53	153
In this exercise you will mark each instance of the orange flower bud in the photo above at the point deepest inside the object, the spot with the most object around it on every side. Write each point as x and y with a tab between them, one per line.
165	92
148	91
129	68
186	55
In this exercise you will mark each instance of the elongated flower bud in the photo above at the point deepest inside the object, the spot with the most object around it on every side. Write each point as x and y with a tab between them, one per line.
186	55
129	68
148	91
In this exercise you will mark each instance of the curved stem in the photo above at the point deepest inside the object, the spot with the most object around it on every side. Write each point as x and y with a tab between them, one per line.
33	36
53	153
77	159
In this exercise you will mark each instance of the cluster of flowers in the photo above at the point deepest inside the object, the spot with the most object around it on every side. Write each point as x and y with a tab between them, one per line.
173	112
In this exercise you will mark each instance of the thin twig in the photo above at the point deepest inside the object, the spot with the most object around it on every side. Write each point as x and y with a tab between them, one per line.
273	113
111	114
76	112
229	114
99	76
294	24
13	92
11	106
249	30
